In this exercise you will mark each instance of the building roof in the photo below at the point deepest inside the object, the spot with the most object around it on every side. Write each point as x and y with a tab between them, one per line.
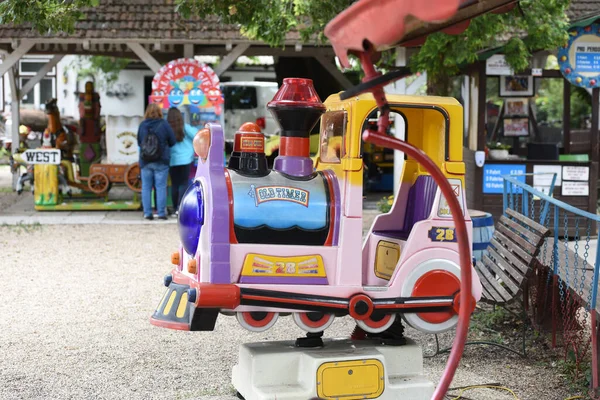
583	10
139	19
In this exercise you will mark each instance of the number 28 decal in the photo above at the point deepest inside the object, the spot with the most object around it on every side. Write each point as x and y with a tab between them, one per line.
437	234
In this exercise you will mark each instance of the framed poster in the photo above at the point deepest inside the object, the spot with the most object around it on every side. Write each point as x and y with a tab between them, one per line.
516	126
516	86
516	107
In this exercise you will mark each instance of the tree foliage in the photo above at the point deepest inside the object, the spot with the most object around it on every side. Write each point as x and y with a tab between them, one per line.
269	20
104	69
532	26
44	15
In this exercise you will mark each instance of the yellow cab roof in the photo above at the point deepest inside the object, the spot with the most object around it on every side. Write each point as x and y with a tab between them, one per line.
446	102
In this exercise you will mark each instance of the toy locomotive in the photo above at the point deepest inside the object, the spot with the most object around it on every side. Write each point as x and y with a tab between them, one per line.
259	243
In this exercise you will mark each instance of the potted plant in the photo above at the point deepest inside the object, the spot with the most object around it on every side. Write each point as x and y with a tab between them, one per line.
498	151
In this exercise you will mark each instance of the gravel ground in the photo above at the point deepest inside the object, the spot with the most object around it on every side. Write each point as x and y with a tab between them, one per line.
74	324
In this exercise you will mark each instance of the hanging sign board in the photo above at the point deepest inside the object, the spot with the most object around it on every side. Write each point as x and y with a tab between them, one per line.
579	58
497	65
192	87
542	175
575	189
42	156
573	173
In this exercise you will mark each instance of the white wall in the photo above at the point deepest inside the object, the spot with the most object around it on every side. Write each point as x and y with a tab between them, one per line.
132	105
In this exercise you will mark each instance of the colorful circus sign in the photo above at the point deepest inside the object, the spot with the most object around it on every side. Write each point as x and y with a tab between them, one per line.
187	82
579	58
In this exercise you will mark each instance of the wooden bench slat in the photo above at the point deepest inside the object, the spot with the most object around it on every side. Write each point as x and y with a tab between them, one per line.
507	253
500	238
515	289
530	236
492	283
488	296
517	239
513	273
543	231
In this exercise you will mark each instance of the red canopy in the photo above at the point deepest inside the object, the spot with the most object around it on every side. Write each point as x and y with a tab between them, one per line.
403	22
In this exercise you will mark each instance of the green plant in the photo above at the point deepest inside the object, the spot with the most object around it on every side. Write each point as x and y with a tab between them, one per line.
385	204
105	70
498	146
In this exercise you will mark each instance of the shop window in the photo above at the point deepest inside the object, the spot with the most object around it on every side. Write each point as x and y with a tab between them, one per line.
45	89
333	132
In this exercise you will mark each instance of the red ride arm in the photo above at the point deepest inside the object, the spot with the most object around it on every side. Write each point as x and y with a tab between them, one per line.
464	313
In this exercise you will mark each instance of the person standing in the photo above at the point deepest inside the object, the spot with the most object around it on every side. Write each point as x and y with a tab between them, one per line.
182	155
155	139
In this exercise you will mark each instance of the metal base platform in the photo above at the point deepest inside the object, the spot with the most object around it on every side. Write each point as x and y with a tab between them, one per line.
341	369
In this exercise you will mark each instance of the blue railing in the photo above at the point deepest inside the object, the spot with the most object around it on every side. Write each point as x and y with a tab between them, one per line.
569	261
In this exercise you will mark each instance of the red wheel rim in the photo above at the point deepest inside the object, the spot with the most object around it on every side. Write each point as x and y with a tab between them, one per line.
252	319
305	318
437	283
378	324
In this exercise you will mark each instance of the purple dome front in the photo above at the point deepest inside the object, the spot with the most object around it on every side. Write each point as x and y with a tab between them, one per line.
191	218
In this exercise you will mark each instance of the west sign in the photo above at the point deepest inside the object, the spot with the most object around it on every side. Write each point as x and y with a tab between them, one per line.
42	156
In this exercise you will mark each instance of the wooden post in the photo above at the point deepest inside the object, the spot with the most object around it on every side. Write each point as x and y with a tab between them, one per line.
567	116
15	105
481	136
146	57
594	131
230	58
595	352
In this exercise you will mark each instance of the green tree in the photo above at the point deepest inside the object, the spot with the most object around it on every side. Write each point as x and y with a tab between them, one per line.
44	15
104	69
533	25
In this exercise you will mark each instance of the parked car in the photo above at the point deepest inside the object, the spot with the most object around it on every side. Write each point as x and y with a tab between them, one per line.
247	102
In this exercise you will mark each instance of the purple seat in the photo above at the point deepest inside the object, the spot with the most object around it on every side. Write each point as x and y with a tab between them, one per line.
420	200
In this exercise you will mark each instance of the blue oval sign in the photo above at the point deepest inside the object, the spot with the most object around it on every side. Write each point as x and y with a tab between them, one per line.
579	59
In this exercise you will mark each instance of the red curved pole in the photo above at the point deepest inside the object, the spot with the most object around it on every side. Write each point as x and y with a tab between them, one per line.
464	312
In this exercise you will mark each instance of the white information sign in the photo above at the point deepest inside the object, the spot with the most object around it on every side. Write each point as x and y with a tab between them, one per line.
497	65
121	139
42	156
546	171
573	173
536	71
575	189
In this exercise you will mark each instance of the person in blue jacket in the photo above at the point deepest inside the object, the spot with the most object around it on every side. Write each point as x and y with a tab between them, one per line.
155	173
182	155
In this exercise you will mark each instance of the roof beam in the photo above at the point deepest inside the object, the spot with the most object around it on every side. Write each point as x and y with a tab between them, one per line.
334	71
144	56
230	58
15	56
40	75
188	50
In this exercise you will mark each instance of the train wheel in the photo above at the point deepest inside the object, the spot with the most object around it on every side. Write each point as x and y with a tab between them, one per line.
98	182
377	322
313	322
437	277
133	177
257	321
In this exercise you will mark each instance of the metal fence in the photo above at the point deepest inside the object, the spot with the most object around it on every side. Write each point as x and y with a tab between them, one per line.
562	290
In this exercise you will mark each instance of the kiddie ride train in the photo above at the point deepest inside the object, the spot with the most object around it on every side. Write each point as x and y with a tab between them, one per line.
260	244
